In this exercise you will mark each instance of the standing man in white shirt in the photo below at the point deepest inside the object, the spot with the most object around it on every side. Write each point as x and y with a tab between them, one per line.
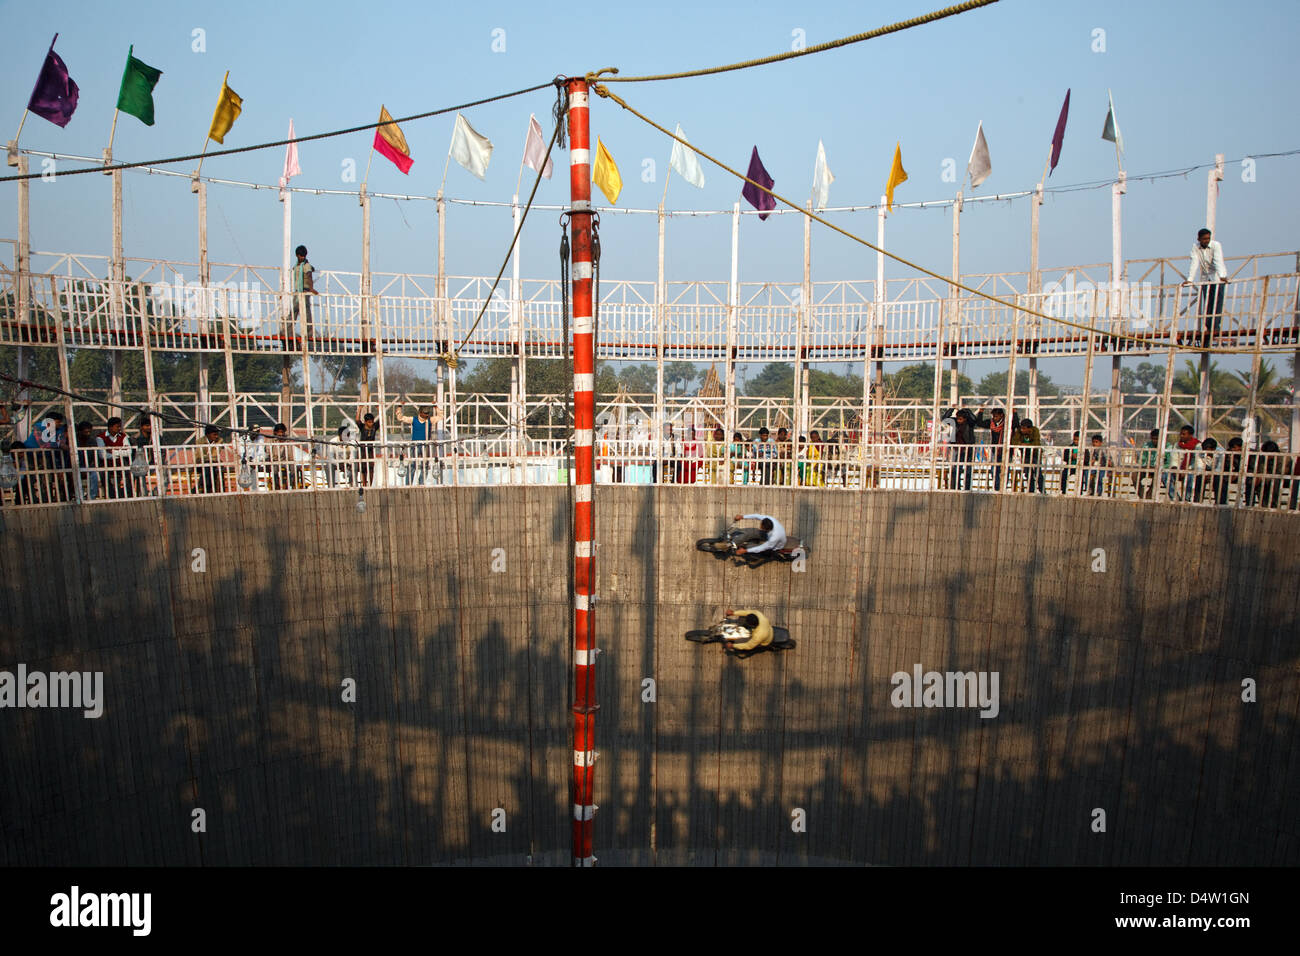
1207	264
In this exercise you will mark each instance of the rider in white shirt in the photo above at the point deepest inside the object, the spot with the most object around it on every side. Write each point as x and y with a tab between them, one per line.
773	530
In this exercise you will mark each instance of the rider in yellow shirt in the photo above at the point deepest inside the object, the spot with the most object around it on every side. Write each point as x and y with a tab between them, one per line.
760	629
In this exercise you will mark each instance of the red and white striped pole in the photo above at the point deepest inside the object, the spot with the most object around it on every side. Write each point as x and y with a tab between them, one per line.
584	418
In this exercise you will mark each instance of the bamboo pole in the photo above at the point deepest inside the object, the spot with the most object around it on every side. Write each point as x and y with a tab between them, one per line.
151	389
800	418
203	411
1036	299
733	318
65	382
1256	358
1116	310
518	397
1087	393
1203	397
661	296
116	297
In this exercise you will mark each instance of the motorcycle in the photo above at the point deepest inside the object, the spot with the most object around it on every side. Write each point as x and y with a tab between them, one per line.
724	546
729	631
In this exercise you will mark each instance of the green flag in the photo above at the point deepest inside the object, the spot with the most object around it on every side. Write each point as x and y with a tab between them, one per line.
136	95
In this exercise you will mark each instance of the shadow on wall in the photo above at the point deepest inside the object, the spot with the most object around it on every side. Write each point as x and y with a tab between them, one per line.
239	712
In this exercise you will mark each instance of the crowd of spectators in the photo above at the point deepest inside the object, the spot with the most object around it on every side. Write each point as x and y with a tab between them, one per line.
44	462
1015	452
703	455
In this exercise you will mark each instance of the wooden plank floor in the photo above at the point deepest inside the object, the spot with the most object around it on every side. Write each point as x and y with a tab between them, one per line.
443	613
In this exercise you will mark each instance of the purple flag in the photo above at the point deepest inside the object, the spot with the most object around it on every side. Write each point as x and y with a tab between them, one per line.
752	194
55	94
1058	138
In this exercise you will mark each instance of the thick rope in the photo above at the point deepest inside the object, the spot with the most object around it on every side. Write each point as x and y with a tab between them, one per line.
818	48
1092	330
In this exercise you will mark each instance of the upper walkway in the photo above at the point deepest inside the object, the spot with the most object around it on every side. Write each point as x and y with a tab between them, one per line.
70	302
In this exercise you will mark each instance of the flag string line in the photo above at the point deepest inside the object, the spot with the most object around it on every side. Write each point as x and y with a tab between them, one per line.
603	91
111	167
790	55
1131	179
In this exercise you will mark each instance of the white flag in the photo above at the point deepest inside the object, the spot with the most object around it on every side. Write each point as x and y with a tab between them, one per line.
534	148
686	162
1111	130
980	166
290	159
468	148
822	179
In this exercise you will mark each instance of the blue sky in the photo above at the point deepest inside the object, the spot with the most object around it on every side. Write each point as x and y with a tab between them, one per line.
1190	79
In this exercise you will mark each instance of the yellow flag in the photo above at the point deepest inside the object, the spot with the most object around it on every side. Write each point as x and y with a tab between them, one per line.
605	174
228	108
897	175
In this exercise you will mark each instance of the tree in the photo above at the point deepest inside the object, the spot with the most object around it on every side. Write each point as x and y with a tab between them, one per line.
917	381
638	379
1224	386
403	377
995	384
544	377
1270	390
679	373
342	370
175	372
831	385
776	380
1151	377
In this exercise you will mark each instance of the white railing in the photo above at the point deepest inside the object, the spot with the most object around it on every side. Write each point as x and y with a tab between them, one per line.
697	324
1230	478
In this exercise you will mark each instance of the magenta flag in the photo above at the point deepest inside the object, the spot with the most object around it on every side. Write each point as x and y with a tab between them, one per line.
752	194
55	94
1058	138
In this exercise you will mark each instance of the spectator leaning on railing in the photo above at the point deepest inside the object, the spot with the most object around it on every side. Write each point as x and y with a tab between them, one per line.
715	450
763	452
1148	463
427	436
784	455
1267	489
117	459
210	456
740	454
1211	468
997	425
88	459
1096	477
963	448
1231	468
1181	486
688	469
1029	440
367	435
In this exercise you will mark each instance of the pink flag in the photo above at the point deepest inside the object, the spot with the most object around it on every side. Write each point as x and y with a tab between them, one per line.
535	149
290	159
